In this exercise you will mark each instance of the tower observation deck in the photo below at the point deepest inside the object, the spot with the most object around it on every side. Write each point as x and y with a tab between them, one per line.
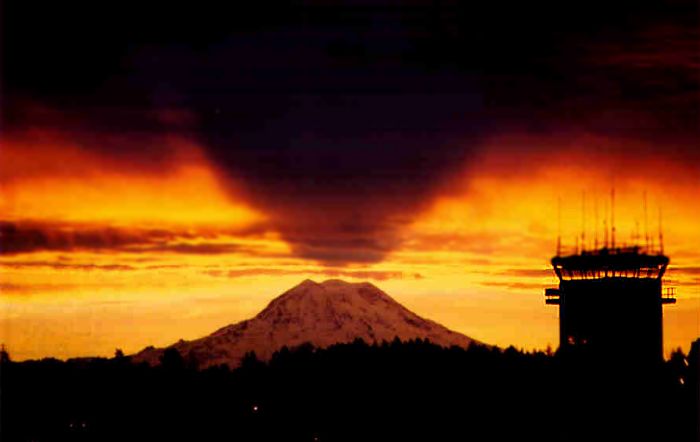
610	301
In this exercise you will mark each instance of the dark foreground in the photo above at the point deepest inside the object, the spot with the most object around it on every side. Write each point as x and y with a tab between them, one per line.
354	392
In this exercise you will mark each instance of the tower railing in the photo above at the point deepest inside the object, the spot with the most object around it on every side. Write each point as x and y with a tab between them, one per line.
668	295
566	250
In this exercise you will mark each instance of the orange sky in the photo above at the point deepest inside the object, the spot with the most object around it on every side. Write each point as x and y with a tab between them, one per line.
108	255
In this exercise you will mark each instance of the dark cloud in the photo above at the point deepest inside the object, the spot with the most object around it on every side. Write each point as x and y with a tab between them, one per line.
484	243
34	288
377	275
515	285
342	120
164	266
529	273
194	248
18	238
63	266
23	238
689	270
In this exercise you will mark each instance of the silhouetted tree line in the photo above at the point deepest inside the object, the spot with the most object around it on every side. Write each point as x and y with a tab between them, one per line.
353	392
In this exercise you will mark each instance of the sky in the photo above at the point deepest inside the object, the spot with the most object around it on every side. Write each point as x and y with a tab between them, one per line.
166	170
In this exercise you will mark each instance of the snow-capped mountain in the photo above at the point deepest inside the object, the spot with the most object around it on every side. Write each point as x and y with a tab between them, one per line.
322	314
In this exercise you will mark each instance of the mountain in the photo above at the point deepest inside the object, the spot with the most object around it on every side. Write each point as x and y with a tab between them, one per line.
322	314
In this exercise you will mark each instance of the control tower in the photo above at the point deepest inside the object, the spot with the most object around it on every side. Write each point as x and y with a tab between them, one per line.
610	302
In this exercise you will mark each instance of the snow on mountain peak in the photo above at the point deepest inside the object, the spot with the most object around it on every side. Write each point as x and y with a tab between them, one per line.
326	313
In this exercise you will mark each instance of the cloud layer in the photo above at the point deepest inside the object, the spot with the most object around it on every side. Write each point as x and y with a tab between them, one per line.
342	122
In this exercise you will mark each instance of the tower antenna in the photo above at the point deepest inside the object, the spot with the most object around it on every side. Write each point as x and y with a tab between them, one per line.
605	225
661	233
595	224
583	220
646	223
612	217
559	226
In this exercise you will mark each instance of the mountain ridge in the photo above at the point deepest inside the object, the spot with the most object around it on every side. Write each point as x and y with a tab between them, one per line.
322	314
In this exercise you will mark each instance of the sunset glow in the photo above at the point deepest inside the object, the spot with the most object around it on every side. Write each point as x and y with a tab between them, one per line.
129	258
157	184
61	182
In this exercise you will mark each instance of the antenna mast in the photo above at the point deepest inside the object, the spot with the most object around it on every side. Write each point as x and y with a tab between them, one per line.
559	226
646	223
661	233
583	220
605	225
612	217
595	224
